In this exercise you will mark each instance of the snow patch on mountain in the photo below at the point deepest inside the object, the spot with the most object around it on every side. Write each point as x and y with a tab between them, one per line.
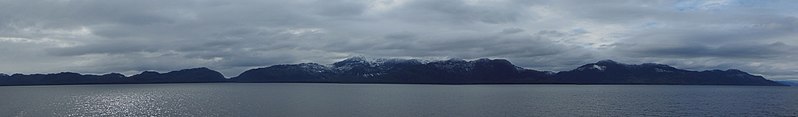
592	67
661	70
600	68
314	67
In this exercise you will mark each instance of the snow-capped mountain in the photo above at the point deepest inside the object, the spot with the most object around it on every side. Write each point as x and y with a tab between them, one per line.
611	72
456	71
360	69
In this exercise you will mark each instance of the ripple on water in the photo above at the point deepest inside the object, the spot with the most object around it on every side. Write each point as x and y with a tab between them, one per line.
395	100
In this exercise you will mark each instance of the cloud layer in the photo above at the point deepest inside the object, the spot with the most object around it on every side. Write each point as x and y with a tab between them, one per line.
100	36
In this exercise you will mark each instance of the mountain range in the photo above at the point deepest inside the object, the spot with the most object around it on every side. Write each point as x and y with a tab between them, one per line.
413	71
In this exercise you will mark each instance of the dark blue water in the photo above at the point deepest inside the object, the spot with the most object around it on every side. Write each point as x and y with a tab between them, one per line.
346	100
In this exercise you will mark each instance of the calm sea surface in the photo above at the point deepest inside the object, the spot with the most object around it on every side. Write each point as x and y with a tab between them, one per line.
345	100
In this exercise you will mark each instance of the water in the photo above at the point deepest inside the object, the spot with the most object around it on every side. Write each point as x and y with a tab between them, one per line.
345	100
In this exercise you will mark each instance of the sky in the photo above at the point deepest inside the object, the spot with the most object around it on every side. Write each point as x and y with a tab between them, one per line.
231	36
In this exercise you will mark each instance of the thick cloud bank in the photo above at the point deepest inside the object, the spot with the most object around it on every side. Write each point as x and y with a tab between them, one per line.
100	36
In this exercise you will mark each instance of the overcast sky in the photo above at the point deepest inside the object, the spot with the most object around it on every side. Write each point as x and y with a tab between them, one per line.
128	36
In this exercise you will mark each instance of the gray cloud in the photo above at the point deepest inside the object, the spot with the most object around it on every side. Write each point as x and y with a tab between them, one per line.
100	36
689	50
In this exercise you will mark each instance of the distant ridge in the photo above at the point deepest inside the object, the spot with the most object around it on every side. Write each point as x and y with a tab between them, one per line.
194	75
412	71
790	83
